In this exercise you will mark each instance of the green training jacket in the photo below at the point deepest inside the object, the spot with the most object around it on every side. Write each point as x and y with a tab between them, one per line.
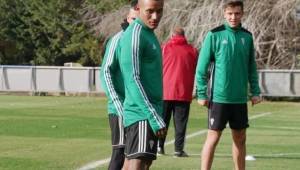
141	67
233	52
111	77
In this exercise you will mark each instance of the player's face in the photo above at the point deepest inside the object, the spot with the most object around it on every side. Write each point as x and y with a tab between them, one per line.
150	12
132	15
233	15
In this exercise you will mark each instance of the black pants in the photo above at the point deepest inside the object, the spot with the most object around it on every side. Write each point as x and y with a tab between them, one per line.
180	111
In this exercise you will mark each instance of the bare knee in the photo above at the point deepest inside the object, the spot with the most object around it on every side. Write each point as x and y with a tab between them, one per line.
213	137
139	164
239	137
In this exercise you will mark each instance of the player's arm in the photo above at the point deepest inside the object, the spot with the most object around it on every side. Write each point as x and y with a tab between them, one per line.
253	77
131	64
108	69
201	70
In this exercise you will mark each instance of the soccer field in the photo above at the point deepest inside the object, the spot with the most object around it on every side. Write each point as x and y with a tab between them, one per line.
68	133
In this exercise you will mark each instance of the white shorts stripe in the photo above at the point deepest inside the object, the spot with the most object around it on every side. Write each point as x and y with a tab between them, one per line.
121	130
140	137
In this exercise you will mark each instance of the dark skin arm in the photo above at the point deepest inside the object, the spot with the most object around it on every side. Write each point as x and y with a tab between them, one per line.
254	100
161	133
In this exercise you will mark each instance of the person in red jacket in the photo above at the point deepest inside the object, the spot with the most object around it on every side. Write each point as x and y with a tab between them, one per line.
179	65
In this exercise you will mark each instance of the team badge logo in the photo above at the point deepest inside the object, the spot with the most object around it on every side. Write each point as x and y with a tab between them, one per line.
153	46
151	143
243	41
212	121
224	42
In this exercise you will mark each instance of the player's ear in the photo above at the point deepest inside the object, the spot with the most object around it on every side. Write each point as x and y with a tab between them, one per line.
137	7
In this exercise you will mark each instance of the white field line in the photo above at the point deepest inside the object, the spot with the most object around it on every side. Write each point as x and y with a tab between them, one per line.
99	163
278	127
270	155
95	164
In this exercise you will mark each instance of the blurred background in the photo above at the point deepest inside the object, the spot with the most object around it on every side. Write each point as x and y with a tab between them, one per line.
40	32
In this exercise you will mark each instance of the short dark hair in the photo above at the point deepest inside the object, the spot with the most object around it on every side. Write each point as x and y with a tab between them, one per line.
233	3
178	31
133	3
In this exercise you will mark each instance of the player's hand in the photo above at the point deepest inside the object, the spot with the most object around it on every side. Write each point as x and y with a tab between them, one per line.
202	102
255	100
161	133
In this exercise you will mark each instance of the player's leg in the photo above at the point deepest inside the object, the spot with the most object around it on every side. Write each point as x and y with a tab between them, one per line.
117	139
141	145
208	150
126	164
181	115
239	148
217	119
147	164
167	112
135	164
140	164
238	122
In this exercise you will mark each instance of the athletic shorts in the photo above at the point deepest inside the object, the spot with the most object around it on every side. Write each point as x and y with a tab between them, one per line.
220	113
117	131
141	142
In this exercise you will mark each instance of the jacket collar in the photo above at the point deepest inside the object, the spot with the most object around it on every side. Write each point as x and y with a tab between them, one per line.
139	21
178	39
235	29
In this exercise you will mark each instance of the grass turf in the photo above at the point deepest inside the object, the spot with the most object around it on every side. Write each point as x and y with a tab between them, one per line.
69	132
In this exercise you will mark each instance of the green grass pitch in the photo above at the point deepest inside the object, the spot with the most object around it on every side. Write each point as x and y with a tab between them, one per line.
66	133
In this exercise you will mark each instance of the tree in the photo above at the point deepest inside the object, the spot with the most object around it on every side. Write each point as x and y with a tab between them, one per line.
45	33
274	26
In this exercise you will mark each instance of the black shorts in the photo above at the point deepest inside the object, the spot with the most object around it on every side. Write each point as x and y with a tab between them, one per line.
141	142
220	113
117	131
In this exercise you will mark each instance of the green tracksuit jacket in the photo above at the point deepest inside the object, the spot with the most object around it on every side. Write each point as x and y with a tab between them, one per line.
233	52
141	67
111	77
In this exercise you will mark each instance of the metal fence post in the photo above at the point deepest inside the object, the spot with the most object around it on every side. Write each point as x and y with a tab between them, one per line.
33	80
61	80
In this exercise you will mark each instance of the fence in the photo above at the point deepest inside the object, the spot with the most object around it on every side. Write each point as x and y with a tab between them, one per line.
50	79
280	83
86	80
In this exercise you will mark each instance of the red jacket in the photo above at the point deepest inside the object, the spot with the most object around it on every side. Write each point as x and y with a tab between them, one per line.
179	65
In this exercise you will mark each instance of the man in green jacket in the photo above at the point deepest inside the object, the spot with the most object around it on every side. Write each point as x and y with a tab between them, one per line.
113	85
230	47
141	67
